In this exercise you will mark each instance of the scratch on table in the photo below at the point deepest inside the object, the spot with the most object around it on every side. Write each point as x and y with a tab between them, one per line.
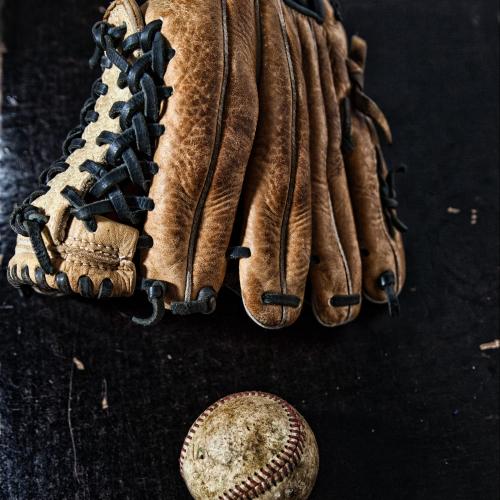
70	423
104	400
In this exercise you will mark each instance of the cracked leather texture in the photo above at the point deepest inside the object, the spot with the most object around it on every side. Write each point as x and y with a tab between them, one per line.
335	245
277	215
210	123
257	93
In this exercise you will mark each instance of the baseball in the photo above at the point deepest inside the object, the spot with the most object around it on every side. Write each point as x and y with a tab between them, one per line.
250	445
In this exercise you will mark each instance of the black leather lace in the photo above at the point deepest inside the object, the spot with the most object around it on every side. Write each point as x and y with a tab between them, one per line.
128	165
388	195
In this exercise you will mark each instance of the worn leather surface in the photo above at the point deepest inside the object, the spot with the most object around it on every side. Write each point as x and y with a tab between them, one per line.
75	250
210	123
277	219
257	95
306	77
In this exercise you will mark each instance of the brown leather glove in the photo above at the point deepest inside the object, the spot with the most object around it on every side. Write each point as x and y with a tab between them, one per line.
316	132
262	100
273	86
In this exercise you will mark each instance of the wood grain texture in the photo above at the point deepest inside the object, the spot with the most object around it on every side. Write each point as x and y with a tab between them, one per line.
404	409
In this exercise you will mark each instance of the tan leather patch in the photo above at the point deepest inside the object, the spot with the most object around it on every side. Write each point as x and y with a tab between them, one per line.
105	254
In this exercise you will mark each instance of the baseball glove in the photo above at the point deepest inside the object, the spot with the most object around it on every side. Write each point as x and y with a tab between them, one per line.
200	101
316	131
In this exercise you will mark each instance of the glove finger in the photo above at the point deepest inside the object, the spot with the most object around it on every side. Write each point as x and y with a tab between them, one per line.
277	214
210	124
381	243
336	264
383	259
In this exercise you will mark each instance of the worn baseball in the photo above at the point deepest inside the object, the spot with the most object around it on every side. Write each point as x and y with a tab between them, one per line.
250	445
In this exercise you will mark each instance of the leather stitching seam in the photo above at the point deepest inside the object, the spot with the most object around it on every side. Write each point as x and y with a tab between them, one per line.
293	162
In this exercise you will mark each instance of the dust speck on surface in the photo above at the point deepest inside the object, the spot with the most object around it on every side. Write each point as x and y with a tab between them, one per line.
11	101
489	346
79	365
474	216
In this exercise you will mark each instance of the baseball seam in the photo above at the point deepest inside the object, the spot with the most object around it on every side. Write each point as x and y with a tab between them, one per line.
277	469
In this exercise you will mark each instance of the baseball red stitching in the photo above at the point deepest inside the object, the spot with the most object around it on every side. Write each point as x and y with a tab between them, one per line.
274	472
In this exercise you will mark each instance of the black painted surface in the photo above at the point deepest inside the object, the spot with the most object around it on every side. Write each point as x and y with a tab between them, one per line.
404	409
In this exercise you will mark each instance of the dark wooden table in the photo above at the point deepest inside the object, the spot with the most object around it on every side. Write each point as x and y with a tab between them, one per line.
404	409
